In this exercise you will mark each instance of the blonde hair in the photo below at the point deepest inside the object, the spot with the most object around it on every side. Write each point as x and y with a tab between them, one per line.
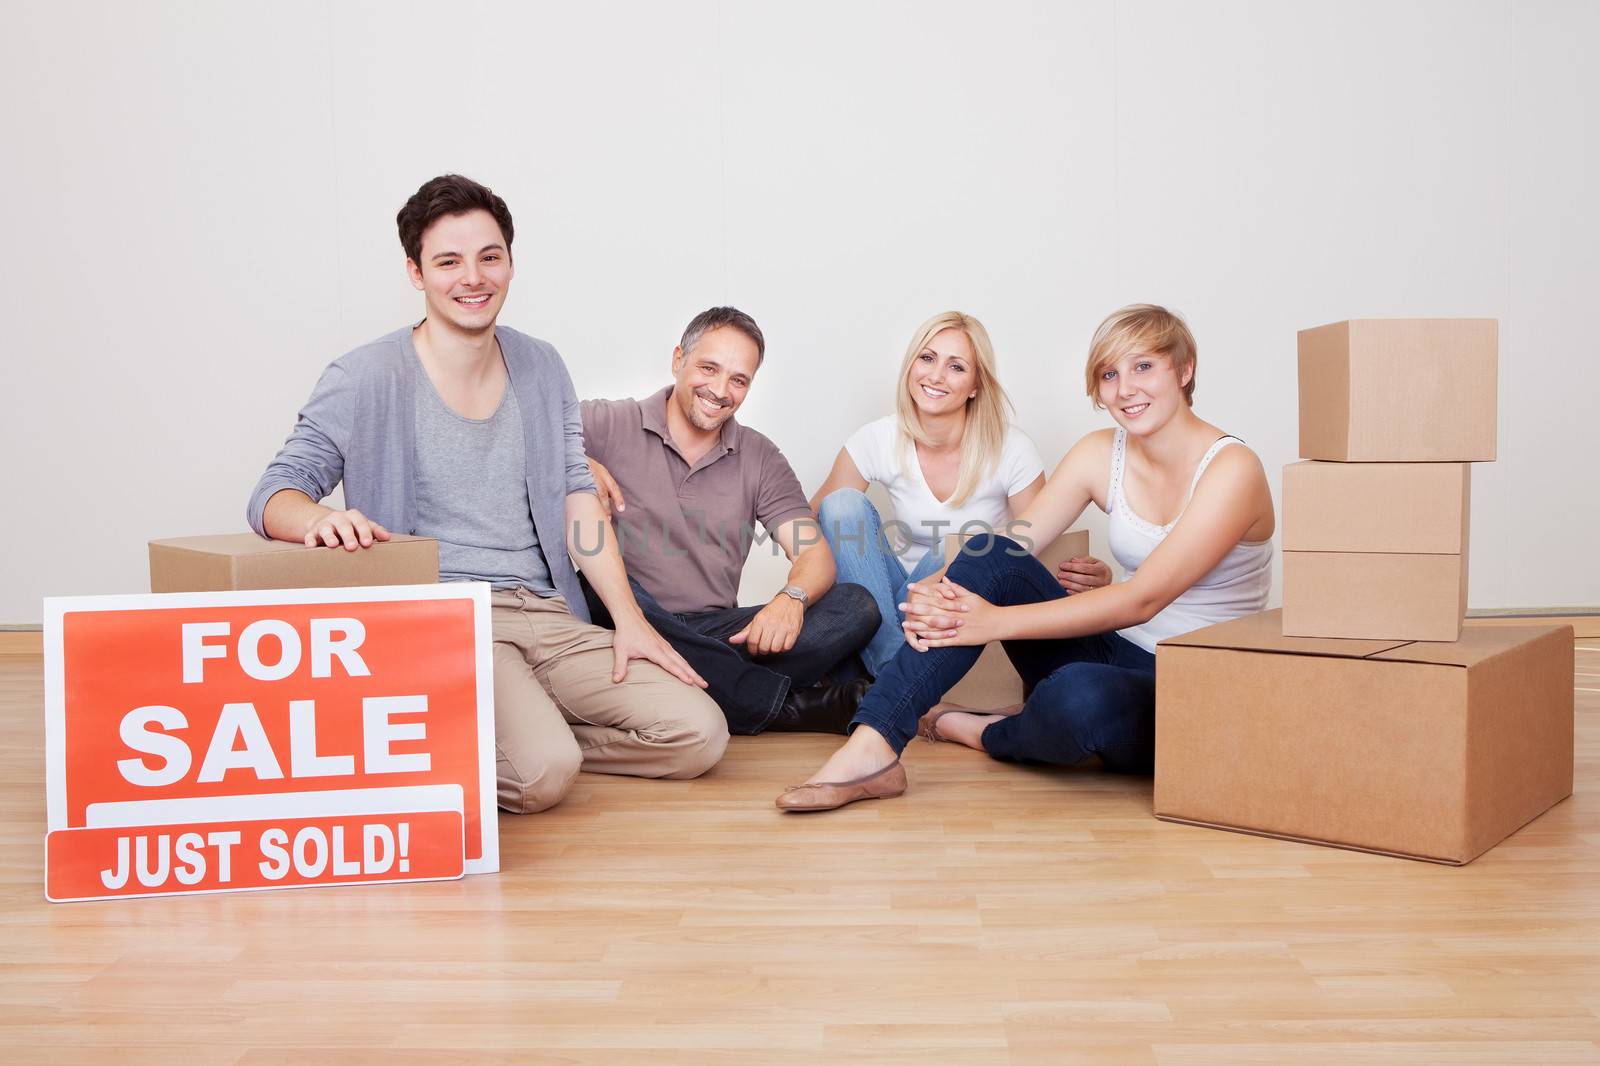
988	413
1141	328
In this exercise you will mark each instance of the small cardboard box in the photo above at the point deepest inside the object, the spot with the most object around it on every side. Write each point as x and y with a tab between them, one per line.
246	561
1399	390
1424	751
1374	595
993	682
1375	550
1410	508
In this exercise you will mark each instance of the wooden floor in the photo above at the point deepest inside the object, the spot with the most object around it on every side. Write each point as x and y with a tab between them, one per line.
994	915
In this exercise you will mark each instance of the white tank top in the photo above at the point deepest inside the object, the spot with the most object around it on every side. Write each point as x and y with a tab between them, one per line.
1236	586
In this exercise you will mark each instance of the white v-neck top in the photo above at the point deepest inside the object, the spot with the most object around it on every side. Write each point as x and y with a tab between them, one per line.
1236	586
876	450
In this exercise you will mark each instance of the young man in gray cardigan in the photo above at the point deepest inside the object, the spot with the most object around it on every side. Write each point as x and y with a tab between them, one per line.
470	433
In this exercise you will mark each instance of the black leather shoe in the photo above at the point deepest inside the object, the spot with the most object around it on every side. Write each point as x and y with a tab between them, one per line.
820	708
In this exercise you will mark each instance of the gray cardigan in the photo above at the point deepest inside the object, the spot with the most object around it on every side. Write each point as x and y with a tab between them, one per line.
359	426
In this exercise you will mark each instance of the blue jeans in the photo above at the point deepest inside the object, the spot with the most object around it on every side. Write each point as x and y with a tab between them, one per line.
1093	695
854	530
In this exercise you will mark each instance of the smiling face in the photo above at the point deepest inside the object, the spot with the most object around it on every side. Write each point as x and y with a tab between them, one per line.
465	271
711	380
944	374
1142	391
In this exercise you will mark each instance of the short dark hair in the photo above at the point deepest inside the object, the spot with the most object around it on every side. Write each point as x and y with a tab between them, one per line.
448	194
717	317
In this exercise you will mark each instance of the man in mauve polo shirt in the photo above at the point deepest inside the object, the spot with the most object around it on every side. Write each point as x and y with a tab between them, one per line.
687	485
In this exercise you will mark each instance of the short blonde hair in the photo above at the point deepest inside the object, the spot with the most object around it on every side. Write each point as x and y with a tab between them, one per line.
988	416
1141	328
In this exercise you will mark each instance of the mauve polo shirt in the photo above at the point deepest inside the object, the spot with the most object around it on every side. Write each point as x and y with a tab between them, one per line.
687	530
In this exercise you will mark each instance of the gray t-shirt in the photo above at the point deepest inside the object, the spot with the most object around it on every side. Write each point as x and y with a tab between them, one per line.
472	494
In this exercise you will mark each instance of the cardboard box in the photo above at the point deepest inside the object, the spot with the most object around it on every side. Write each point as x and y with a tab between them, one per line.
1399	390
1425	751
993	682
1374	595
246	561
1375	550
1412	508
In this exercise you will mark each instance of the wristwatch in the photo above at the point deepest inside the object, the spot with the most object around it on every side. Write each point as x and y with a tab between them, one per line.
795	592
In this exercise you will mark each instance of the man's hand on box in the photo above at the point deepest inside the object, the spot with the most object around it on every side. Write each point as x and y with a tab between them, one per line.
345	529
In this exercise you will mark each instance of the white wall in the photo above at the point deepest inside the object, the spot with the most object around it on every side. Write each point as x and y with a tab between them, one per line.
199	204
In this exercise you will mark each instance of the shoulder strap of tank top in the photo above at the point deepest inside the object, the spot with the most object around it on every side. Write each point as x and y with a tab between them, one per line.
1118	455
1205	461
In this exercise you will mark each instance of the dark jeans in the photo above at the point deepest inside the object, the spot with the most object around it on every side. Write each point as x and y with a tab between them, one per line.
750	693
1093	695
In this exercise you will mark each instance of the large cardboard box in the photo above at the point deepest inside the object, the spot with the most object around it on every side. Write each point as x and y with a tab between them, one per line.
1375	550
1399	390
993	682
1426	751
246	561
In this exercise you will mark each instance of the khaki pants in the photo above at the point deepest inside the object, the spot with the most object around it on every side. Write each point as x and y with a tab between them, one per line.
556	709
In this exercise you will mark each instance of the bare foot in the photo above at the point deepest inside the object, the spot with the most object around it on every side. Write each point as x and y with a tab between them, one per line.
931	726
967	729
866	752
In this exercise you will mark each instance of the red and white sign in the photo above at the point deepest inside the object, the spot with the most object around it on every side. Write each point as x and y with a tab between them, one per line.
230	741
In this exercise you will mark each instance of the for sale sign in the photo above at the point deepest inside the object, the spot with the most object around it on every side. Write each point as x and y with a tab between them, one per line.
226	741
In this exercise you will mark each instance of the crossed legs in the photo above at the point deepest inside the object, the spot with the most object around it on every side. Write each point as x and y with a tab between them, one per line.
1088	695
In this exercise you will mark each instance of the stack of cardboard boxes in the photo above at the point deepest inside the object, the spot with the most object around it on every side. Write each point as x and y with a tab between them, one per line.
1375	523
1361	715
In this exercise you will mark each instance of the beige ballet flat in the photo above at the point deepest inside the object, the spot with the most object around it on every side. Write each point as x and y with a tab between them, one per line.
830	795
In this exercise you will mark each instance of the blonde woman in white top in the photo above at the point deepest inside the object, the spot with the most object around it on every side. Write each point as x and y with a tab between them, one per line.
952	462
1191	520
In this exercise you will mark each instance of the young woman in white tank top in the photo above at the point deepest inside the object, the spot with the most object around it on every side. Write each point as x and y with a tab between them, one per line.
1191	520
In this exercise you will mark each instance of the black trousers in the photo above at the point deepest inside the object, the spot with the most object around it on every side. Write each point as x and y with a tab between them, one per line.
750	691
